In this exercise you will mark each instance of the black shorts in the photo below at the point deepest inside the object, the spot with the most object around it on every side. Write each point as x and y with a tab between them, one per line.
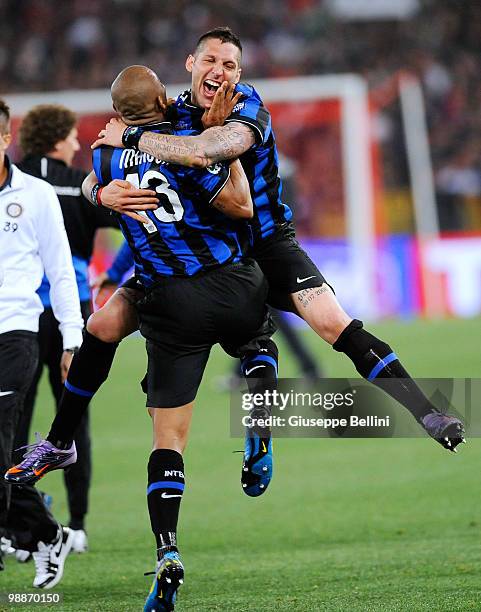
182	318
286	266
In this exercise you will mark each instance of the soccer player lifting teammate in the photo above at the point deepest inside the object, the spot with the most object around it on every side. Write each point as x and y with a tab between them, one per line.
118	319
295	282
199	290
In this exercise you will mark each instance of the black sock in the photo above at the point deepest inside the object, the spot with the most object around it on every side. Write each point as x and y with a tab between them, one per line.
164	494
77	522
89	369
259	365
377	362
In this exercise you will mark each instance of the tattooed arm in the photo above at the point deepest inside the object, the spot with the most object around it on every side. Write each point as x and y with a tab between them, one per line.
215	144
218	143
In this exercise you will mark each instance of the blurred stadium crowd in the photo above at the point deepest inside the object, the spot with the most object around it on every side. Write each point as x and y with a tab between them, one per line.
50	45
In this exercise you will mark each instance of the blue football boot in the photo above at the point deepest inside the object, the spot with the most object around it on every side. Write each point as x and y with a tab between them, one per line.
169	575
257	466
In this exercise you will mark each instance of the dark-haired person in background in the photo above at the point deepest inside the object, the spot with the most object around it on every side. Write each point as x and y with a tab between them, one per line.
48	139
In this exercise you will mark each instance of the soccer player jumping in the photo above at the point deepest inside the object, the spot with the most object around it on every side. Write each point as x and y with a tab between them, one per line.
295	282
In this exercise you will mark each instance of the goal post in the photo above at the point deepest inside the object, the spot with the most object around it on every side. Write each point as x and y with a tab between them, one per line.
351	91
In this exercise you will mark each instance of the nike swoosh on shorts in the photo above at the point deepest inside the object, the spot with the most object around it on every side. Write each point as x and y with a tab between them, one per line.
302	280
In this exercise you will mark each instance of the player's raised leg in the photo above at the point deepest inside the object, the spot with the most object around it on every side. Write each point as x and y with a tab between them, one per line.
164	494
375	361
259	365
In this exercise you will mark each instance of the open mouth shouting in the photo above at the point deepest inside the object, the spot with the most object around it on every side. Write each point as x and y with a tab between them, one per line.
210	87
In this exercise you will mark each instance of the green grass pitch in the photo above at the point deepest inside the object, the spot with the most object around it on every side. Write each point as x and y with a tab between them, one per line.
346	525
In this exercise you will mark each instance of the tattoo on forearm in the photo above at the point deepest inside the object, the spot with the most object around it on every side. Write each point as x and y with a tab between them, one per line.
227	141
215	144
306	296
174	149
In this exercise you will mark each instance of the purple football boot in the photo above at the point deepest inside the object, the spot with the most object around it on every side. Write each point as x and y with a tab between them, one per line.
41	457
445	429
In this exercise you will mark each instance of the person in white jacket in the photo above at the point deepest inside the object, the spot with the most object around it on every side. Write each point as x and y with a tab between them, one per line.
32	239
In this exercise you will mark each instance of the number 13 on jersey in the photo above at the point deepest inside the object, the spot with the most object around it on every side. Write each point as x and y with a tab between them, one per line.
153	179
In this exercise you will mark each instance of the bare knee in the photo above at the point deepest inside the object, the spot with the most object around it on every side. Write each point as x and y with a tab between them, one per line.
171	427
174	441
330	329
172	436
104	327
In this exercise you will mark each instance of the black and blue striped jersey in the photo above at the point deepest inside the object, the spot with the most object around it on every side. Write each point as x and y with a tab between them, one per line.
260	162
185	235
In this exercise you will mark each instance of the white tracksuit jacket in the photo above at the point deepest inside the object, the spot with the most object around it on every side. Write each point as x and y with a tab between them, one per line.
33	239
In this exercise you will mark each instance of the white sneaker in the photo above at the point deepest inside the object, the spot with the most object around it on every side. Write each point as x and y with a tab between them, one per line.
22	556
80	542
50	559
6	547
